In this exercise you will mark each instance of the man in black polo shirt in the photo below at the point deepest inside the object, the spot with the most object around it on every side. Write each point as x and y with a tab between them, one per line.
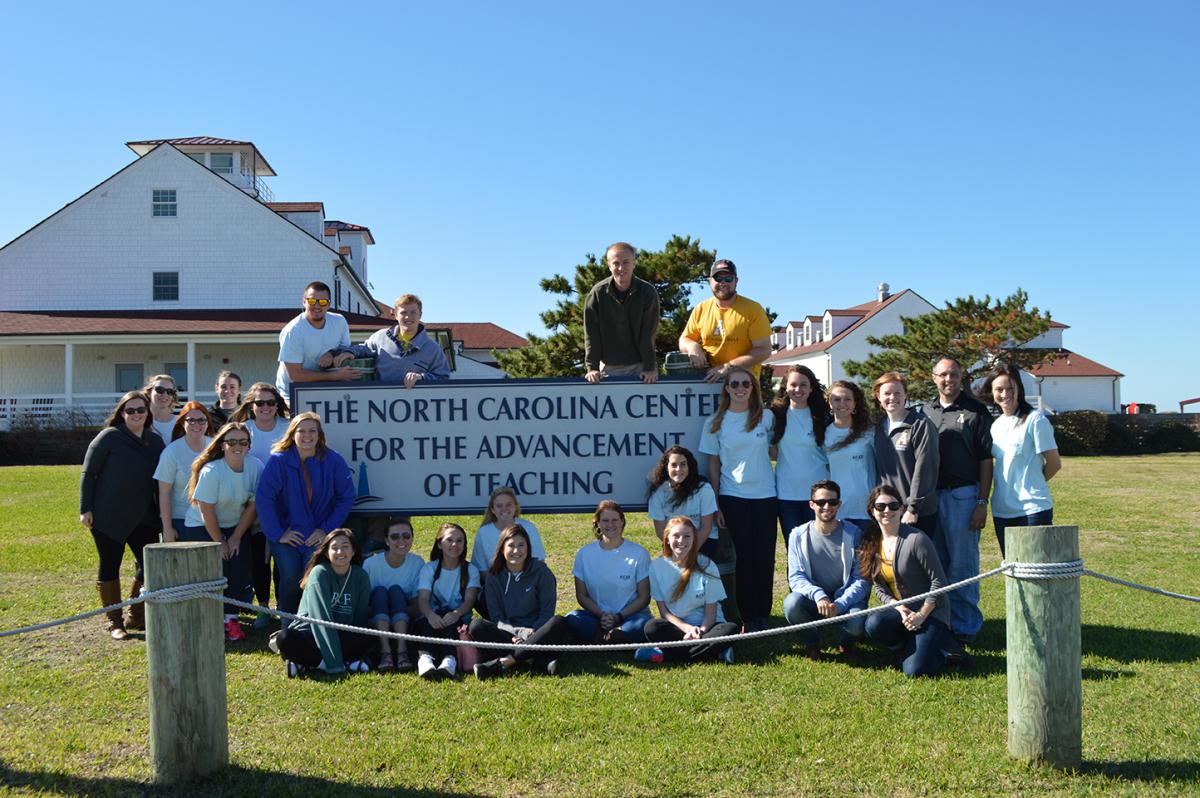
964	482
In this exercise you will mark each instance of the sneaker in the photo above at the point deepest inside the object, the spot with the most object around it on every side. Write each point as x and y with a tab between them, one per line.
262	620
425	667
648	654
386	663
727	656
403	663
233	630
552	667
294	669
447	667
486	670
358	666
273	641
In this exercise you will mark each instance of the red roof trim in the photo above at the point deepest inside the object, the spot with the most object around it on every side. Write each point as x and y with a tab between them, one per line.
296	207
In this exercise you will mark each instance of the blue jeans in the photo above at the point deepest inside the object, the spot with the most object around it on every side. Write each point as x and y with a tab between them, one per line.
586	626
791	515
958	548
290	561
1043	518
389	604
922	650
802	609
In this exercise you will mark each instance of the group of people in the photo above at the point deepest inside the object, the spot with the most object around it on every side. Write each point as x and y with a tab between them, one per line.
893	505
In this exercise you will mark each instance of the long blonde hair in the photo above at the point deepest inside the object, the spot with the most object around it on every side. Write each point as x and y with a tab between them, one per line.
287	441
214	451
753	418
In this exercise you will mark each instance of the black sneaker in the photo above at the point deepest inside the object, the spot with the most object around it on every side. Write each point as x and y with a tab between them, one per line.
486	670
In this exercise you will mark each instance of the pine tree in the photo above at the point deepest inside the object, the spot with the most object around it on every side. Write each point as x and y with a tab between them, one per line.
978	332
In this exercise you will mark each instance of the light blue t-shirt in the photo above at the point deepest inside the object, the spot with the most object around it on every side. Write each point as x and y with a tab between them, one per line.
702	502
852	468
261	442
612	575
483	550
175	469
300	342
800	462
745	456
228	490
704	587
406	577
447	593
1018	446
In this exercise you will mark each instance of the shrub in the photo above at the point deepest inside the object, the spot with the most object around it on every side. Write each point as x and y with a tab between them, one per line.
1080	431
1123	440
1173	438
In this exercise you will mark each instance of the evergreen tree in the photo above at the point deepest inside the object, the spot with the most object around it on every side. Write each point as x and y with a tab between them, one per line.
671	270
978	332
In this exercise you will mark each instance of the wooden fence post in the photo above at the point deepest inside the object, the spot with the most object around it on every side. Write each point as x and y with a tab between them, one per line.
185	645
1045	692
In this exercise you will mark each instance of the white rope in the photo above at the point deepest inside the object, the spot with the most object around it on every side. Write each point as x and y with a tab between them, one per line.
1147	588
1042	571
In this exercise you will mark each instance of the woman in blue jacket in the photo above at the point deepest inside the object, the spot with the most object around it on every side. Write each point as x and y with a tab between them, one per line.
305	490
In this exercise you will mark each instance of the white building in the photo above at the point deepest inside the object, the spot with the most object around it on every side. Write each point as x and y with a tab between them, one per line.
825	342
180	263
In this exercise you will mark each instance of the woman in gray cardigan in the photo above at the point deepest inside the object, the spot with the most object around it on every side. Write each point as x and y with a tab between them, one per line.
901	561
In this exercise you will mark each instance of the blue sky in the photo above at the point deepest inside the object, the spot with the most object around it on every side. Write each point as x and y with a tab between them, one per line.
951	148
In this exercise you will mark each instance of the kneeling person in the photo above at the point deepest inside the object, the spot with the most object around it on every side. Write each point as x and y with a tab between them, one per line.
823	571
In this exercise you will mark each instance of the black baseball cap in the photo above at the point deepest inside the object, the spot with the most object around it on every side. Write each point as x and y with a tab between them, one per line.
722	266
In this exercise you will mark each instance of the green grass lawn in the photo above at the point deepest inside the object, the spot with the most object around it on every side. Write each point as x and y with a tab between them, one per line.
73	710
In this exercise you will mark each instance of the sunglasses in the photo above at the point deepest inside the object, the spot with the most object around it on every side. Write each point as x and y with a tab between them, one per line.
739	383
881	506
312	301
264	403
724	278
236	442
195	421
827	502
134	411
400	536
161	389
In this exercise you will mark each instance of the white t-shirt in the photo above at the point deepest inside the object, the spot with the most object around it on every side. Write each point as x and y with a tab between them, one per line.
745	460
406	577
300	342
225	488
853	469
175	468
704	587
447	594
801	462
612	575
702	502
1020	488
484	547
164	428
261	442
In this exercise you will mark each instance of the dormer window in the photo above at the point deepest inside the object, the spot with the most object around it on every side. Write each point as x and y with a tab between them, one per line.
828	328
221	162
791	338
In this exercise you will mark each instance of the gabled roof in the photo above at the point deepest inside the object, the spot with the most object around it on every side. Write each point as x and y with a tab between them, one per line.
1071	364
846	312
813	318
863	312
480	334
297	207
795	323
333	227
144	147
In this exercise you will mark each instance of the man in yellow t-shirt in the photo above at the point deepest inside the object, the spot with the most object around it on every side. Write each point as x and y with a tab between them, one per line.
728	330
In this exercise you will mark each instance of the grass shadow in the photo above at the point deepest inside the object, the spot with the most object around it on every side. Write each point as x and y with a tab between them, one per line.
1119	643
1145	770
234	781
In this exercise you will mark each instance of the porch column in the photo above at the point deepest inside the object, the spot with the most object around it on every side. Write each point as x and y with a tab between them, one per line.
68	374
191	370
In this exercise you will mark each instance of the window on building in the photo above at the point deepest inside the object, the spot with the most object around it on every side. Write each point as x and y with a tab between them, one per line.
791	338
828	329
163	202
166	286
130	377
198	157
178	372
337	293
221	162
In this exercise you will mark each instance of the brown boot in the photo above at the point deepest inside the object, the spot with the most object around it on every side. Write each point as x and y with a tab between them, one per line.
110	593
137	612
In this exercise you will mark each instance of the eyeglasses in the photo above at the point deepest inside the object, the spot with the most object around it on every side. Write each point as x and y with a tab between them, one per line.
827	502
195	421
881	506
312	301
400	536
161	389
236	442
264	402
134	411
724	278
739	383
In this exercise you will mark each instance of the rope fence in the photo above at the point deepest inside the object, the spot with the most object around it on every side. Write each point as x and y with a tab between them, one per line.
213	590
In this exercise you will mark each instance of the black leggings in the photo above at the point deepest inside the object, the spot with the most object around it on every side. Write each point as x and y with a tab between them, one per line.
299	645
420	626
260	568
751	524
551	633
662	631
113	551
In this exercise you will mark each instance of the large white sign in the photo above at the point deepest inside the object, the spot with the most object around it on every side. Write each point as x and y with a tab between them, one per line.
564	445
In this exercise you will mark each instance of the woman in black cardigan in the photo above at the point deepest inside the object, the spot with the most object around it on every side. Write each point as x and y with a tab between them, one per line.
118	501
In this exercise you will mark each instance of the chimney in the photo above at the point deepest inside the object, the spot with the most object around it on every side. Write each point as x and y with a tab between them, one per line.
884	291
